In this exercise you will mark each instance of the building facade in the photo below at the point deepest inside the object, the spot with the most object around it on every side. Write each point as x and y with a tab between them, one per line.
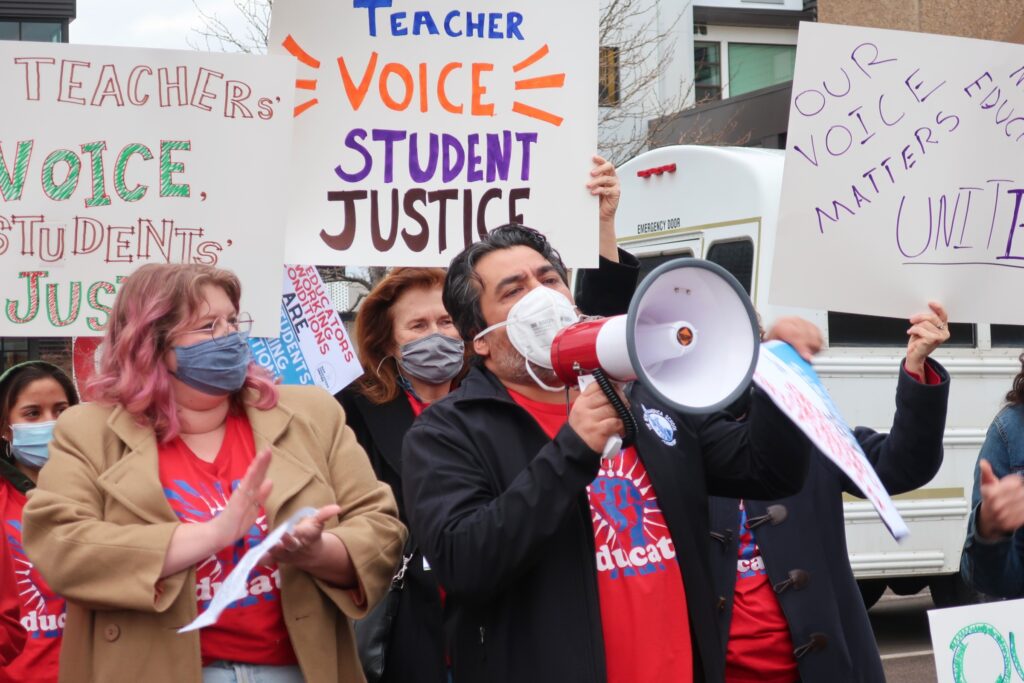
661	57
46	21
745	52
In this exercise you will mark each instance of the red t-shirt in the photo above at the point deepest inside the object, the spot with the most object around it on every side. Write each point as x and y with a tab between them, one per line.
418	406
252	629
42	611
640	587
12	633
760	648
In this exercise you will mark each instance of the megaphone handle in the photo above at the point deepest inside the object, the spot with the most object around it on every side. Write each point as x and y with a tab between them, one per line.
611	447
615	442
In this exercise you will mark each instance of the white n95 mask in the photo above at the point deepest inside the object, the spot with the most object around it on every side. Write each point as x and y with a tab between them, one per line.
532	324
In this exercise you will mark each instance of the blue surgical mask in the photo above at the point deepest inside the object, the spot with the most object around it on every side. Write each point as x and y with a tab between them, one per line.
215	366
30	442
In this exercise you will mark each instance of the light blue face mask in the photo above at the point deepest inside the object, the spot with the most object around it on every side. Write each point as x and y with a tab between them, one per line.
215	366
30	442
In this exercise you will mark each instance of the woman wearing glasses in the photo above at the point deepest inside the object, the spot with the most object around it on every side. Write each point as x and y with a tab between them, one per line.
186	458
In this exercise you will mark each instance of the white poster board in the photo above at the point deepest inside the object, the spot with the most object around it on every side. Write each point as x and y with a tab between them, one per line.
114	157
978	642
313	347
903	180
419	125
794	387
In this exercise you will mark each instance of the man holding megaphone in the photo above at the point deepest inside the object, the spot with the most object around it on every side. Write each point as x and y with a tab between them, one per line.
559	564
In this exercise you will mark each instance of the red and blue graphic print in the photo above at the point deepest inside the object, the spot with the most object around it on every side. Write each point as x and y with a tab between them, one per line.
42	611
643	603
630	534
760	647
749	564
252	629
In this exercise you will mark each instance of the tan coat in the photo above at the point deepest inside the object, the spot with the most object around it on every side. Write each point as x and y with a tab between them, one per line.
98	526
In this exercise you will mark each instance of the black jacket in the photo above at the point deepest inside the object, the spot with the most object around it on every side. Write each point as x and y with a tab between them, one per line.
417	647
831	634
502	514
416	650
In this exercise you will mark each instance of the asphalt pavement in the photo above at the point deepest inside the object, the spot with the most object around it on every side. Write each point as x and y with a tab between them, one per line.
901	629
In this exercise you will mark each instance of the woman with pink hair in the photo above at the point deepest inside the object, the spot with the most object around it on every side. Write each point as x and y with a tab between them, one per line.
185	459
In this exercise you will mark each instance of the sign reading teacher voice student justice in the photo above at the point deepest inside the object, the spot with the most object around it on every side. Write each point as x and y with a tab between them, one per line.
112	158
421	125
903	179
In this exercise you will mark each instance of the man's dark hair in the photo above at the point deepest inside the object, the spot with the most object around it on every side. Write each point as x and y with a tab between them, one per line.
462	286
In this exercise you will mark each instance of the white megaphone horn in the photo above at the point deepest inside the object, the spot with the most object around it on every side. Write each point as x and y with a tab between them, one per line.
691	337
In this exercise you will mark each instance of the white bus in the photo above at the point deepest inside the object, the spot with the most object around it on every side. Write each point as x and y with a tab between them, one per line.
721	204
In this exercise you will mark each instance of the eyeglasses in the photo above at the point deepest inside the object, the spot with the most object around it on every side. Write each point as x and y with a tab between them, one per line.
221	327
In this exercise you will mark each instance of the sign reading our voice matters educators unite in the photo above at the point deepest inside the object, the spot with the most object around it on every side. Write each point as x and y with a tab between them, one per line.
420	125
111	158
903	179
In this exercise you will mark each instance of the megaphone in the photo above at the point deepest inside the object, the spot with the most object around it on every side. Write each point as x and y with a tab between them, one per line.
691	337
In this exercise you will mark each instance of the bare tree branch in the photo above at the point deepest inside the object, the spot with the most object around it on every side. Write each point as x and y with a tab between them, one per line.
645	51
220	34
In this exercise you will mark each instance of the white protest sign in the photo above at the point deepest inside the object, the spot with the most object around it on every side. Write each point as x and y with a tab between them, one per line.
794	387
112	158
978	642
314	347
235	585
420	125
903	181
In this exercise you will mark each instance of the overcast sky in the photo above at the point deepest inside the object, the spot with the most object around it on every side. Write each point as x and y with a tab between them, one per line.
145	23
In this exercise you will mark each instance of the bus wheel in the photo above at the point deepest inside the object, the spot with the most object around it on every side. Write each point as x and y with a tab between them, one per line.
950	590
871	590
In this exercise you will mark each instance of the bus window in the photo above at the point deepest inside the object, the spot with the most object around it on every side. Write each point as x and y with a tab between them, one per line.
1008	336
737	258
649	263
849	329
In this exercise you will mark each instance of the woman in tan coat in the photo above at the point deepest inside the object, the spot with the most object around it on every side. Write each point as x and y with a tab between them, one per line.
188	456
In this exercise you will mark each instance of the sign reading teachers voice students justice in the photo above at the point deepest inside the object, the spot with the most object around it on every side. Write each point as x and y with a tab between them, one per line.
111	158
903	179
421	125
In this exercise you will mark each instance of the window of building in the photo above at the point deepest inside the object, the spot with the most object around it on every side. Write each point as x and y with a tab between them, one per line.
41	31
608	79
752	66
38	31
13	350
848	329
737	258
707	70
